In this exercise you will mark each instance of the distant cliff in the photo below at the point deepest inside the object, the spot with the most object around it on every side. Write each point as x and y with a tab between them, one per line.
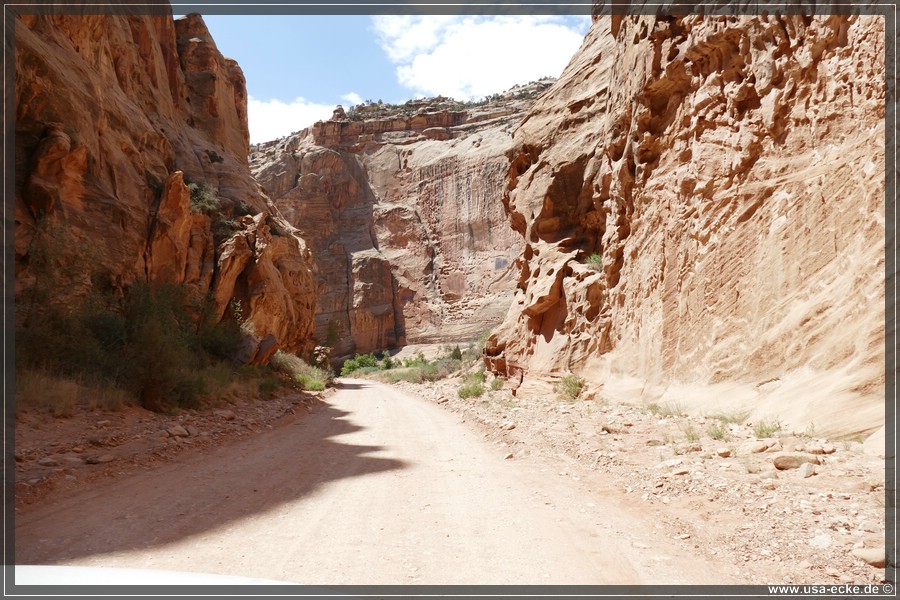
402	207
114	115
701	202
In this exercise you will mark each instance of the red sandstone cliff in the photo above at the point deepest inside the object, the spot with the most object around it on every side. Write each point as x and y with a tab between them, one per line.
730	172
113	115
405	218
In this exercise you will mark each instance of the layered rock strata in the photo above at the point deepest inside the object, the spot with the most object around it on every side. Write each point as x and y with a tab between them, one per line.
702	203
114	116
405	219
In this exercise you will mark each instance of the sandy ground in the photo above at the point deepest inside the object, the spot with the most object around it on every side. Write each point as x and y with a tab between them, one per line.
718	496
375	484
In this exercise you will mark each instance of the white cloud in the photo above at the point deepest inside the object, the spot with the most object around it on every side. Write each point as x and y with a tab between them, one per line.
272	119
352	98
470	57
403	37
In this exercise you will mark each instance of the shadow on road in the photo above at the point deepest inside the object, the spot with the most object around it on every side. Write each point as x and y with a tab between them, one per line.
177	501
343	384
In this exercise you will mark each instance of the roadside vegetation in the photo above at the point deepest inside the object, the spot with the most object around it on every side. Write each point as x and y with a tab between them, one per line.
414	370
670	409
157	345
452	361
766	428
569	388
473	384
302	375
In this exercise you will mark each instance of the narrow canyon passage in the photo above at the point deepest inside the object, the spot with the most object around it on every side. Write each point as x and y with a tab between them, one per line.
374	487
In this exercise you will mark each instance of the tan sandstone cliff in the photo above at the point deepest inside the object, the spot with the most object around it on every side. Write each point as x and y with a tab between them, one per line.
405	218
114	114
730	172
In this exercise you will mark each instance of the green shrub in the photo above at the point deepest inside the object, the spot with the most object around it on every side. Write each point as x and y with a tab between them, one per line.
367	370
107	328
203	198
439	369
415	370
418	370
370	363
306	376
411	375
569	388
595	261
470	390
429	372
222	340
268	386
308	382
496	384
157	345
287	363
456	353
473	384
254	371
162	346
360	361
416	361
188	389
386	362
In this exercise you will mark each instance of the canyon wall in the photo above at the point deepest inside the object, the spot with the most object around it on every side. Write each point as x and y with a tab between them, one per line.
729	174
405	219
114	116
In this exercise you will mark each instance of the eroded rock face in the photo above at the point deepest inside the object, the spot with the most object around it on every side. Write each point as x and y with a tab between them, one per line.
405	220
114	115
730	173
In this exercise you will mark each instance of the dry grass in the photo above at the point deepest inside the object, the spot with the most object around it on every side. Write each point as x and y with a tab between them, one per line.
306	376
738	417
690	434
766	428
717	431
63	396
471	389
670	409
569	388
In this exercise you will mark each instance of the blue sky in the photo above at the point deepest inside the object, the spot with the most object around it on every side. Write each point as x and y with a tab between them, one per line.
299	67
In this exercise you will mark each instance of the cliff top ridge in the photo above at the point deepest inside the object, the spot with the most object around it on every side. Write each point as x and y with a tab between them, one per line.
515	99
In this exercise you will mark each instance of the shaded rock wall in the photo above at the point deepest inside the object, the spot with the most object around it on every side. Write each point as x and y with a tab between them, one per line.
730	172
113	115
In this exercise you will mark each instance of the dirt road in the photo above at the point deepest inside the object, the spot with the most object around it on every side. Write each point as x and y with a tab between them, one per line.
374	487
